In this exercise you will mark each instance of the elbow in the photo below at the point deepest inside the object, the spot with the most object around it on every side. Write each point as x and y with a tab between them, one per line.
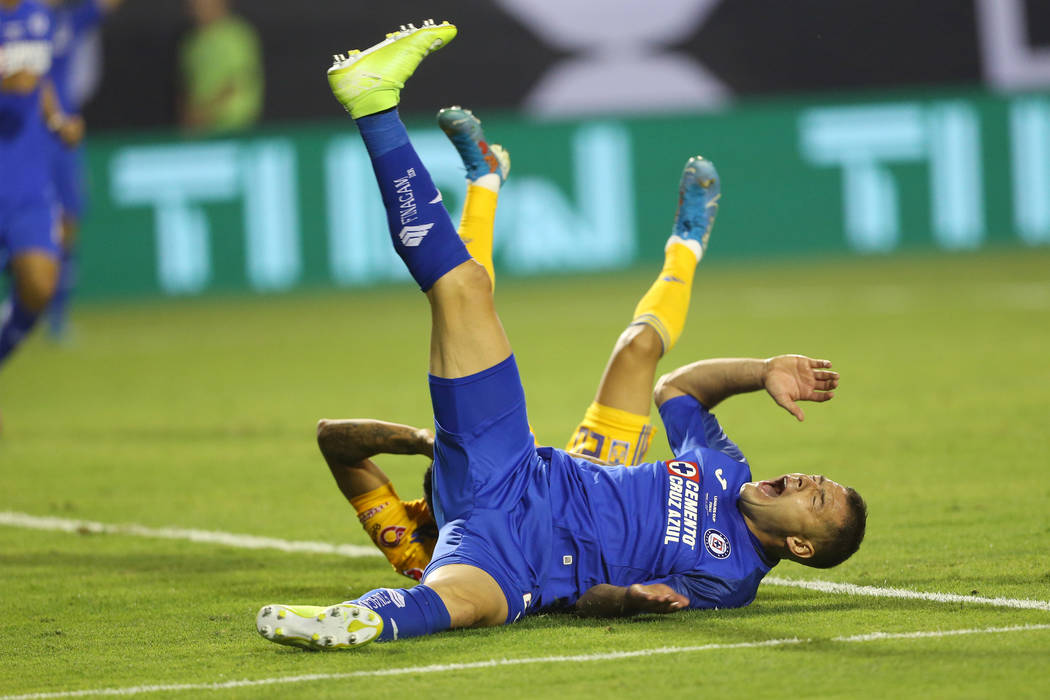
324	434
663	390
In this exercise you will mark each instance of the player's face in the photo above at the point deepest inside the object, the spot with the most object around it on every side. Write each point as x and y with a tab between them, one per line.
803	505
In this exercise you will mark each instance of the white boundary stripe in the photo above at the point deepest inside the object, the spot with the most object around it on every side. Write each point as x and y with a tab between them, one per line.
851	589
230	539
35	522
493	663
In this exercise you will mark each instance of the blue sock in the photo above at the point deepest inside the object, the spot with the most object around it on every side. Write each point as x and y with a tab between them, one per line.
407	612
420	228
15	323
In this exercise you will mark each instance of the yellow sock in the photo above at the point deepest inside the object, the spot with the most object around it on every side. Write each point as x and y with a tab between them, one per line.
666	305
475	228
398	533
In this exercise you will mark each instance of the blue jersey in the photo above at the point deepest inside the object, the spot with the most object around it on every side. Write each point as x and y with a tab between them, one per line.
71	24
673	522
25	45
547	526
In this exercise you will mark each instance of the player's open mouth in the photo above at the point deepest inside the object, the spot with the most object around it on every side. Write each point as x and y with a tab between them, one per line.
773	488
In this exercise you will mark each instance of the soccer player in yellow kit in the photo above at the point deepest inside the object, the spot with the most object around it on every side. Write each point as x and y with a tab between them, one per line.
615	428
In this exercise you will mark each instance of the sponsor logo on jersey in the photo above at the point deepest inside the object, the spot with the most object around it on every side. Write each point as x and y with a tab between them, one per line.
412	236
686	470
371	512
683	503
391	535
718	475
717	544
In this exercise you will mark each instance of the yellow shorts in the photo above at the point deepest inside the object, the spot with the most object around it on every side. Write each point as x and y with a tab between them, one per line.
612	436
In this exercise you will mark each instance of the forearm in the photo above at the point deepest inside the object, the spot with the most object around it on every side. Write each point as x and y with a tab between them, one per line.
349	442
603	600
712	381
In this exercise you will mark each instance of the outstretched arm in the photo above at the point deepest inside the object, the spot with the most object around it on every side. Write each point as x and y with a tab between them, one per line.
348	445
606	600
787	378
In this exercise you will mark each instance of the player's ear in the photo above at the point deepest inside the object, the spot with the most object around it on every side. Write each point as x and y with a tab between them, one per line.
800	547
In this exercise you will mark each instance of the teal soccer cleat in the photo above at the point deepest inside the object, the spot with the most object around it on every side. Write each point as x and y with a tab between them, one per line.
698	195
479	158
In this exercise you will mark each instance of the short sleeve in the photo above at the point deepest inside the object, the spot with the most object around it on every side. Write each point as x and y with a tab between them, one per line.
690	426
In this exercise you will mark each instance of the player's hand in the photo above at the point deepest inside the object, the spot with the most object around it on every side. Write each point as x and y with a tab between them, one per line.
71	130
653	598
425	438
791	378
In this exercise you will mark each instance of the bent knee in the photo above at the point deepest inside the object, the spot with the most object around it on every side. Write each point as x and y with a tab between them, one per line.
640	341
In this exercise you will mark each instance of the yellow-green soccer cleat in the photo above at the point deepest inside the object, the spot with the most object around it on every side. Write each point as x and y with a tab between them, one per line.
369	81
341	626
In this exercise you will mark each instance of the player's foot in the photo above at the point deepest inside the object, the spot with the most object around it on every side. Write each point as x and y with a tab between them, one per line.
479	158
698	195
339	626
370	81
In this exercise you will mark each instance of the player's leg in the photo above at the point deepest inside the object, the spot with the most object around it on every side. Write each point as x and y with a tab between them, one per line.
368	85
487	168
67	177
616	427
34	278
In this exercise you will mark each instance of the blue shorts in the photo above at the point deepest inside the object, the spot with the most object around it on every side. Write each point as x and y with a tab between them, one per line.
28	224
66	173
491	488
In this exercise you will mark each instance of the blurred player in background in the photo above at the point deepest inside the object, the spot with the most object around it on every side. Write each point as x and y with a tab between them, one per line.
29	109
73	21
221	71
615	429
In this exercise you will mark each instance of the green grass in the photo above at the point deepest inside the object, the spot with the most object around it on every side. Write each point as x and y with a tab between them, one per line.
200	414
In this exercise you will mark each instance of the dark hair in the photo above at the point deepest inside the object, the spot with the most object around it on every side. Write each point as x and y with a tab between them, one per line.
846	539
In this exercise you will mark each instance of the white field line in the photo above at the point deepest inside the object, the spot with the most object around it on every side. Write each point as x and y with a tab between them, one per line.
229	539
493	663
34	522
851	589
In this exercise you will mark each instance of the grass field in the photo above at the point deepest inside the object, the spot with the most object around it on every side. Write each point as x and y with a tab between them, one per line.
201	414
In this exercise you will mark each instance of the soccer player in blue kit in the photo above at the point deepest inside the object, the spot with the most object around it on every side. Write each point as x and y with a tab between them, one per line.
28	110
526	529
72	22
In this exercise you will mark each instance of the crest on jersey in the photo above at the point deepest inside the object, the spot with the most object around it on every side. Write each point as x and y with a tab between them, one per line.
717	544
686	470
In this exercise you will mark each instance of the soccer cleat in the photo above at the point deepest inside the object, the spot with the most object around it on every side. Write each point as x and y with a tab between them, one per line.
698	195
464	131
370	81
341	626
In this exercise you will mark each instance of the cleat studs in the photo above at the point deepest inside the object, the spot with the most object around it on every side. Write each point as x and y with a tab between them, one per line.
334	612
279	632
315	636
329	641
320	616
266	611
403	28
353	639
265	630
281	615
355	613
